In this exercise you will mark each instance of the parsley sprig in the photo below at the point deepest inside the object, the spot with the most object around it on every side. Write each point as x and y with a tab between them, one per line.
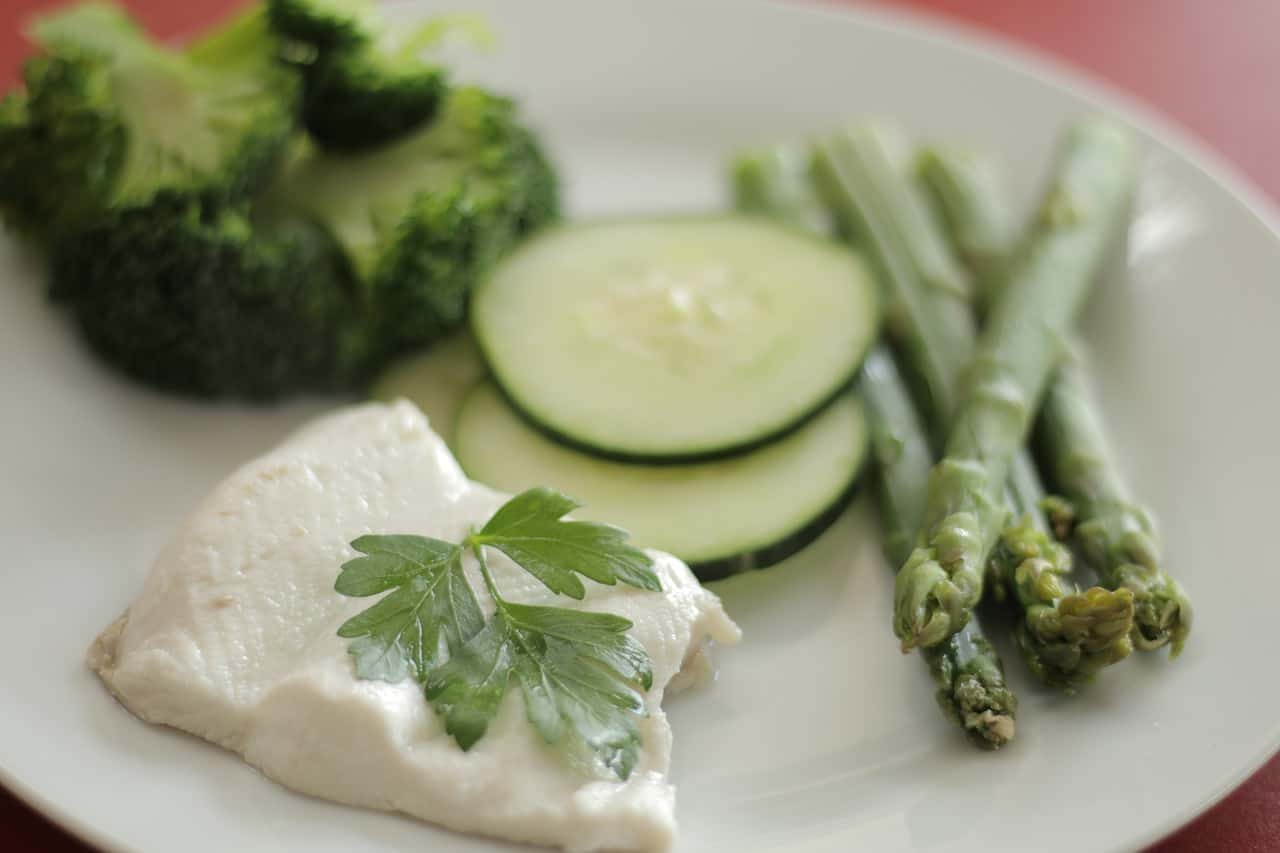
581	675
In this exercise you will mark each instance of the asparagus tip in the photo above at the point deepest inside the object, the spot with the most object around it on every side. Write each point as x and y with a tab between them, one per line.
928	606
1068	644
1163	616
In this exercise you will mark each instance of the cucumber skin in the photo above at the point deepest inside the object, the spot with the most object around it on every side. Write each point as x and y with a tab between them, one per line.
610	455
779	550
710	455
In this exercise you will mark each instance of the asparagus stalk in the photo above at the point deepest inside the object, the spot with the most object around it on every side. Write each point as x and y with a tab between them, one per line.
968	194
859	177
1115	534
970	677
942	581
967	670
940	337
773	181
1066	636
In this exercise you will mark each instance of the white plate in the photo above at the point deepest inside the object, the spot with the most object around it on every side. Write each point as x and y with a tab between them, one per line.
819	736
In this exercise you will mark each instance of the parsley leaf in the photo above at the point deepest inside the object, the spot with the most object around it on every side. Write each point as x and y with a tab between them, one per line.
579	672
399	637
528	529
581	675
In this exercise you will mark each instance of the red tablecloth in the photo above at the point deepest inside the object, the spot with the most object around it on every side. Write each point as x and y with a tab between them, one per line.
1214	67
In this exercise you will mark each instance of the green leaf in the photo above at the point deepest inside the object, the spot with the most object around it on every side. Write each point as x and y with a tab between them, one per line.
528	529
467	691
580	674
399	637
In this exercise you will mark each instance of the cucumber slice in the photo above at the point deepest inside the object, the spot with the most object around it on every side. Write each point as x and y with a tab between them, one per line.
435	380
721	517
674	340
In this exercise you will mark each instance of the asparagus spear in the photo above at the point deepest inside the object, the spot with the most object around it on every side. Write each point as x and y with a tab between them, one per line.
859	176
967	670
1115	534
941	582
773	181
940	333
1066	636
968	194
1118	536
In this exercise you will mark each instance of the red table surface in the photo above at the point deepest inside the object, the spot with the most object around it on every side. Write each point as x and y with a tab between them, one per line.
1211	66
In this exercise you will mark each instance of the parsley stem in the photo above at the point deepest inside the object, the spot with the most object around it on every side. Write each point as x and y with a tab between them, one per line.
478	550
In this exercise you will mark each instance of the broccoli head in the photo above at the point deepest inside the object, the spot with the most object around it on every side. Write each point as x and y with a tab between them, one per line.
205	300
365	84
361	99
324	24
423	218
110	119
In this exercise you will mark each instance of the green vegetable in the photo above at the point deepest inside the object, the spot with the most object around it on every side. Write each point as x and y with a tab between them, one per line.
723	516
939	585
774	181
966	668
110	119
1066	636
143	170
365	83
580	673
422	219
859	176
1115	534
202	299
326	24
968	194
676	340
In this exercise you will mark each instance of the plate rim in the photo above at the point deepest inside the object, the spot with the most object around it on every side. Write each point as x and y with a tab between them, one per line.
1015	57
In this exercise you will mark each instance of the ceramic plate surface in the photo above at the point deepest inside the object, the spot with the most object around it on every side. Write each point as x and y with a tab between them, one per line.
819	735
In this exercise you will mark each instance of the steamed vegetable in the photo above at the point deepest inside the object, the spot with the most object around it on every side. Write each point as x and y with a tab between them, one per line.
971	690
1115	534
110	119
1066	635
421	220
1119	535
968	194
859	176
943	335
206	246
365	83
965	666
1017	353
202	299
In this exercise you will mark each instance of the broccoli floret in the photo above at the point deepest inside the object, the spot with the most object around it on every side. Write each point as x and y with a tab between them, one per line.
361	99
324	24
365	83
204	300
111	119
145	168
423	218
